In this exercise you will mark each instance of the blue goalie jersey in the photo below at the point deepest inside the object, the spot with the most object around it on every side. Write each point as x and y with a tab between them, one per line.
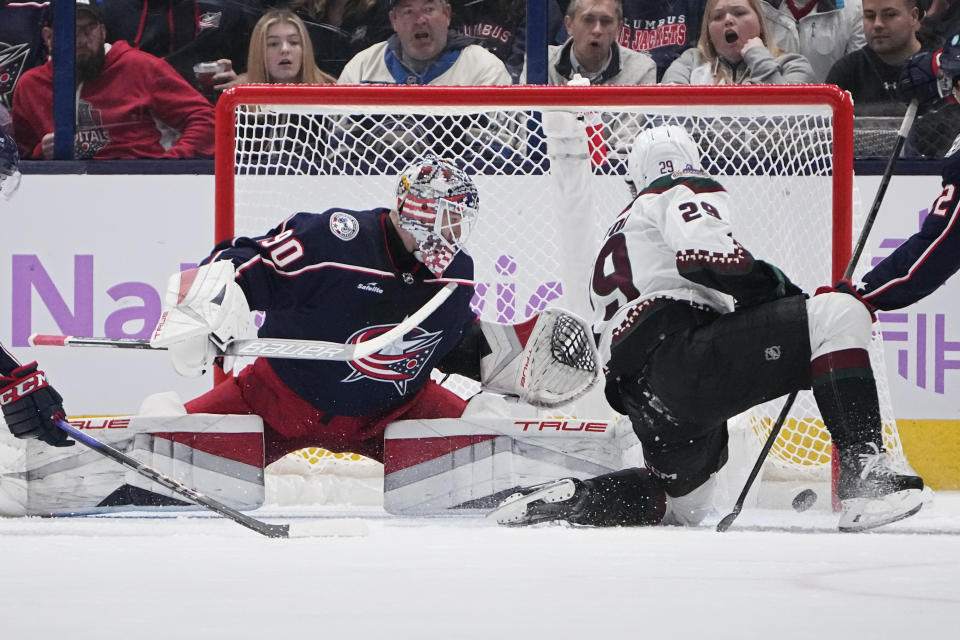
344	276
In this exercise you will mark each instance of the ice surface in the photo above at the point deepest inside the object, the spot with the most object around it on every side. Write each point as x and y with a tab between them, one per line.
200	576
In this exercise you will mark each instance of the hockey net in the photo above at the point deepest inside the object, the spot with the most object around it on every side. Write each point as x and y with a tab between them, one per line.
783	153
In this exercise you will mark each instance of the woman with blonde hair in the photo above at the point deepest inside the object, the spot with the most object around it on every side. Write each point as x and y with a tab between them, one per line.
734	48
280	52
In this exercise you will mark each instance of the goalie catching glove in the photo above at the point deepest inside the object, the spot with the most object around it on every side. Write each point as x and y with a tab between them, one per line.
547	361
206	309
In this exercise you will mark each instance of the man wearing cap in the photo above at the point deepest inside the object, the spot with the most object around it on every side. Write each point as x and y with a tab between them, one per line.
423	50
129	104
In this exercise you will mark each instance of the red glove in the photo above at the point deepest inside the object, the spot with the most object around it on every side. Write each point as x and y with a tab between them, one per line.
30	406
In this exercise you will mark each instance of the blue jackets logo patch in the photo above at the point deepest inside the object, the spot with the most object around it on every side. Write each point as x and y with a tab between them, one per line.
397	363
344	226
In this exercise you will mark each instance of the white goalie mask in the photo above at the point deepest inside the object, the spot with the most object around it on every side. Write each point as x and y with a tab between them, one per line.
438	204
661	151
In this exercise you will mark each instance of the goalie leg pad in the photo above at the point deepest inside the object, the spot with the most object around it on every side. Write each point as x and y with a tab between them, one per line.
218	455
473	463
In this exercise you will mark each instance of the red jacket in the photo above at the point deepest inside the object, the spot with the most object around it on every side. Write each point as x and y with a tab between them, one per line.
118	112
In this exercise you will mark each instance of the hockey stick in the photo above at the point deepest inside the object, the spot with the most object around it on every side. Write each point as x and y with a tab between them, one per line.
905	127
298	530
273	347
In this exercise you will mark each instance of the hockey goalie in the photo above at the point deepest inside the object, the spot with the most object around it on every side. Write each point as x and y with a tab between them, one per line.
342	277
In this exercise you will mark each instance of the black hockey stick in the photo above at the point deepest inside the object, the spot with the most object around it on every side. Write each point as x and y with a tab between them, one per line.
298	530
905	127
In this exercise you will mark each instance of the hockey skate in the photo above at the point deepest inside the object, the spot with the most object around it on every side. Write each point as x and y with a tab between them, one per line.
873	494
556	500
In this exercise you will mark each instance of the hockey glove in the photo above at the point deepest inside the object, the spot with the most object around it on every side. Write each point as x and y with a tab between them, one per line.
30	406
918	81
205	309
785	288
845	286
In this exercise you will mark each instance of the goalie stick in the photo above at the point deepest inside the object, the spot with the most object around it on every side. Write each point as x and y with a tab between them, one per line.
298	530
905	127
273	347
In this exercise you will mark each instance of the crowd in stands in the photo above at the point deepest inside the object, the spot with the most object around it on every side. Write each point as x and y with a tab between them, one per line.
148	72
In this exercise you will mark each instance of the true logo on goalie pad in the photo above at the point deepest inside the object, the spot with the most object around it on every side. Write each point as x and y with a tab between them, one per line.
562	425
85	424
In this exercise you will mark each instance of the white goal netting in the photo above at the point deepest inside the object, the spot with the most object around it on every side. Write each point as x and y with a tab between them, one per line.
784	154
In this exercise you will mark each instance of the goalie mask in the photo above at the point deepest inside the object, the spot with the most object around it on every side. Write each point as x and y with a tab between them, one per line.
438	204
9	166
661	151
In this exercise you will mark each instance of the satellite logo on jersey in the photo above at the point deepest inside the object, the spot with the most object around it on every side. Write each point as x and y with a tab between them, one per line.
772	353
397	363
344	226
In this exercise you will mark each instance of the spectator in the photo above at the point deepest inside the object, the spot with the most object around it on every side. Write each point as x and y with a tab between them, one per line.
941	19
870	73
424	50
734	48
500	26
823	31
662	28
21	45
592	50
340	29
280	51
129	103
185	32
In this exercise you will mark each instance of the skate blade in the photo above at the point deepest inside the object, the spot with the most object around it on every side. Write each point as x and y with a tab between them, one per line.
513	510
862	514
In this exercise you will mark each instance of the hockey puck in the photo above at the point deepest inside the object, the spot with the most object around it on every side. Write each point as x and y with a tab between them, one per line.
804	500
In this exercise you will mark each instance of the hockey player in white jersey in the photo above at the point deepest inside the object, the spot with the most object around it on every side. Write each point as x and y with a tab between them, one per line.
693	330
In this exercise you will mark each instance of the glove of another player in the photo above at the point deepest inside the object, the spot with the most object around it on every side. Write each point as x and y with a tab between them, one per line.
845	286
30	406
918	80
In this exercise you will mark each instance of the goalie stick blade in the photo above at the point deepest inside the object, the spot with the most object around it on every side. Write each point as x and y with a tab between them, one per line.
342	528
